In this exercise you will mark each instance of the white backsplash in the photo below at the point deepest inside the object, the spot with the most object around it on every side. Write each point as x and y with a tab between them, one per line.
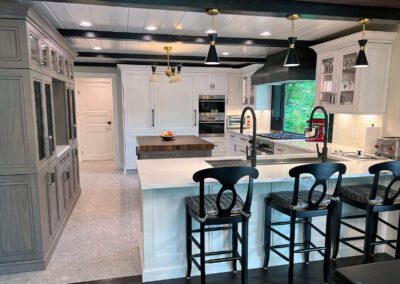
350	129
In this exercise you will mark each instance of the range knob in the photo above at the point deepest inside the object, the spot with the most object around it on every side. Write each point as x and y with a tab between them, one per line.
376	146
391	149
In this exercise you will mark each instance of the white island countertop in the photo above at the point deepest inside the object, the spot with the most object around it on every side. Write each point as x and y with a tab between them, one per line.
175	173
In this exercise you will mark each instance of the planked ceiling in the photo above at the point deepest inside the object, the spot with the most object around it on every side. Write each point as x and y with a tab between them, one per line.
121	19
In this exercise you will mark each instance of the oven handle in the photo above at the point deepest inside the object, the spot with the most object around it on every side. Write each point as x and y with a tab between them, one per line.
195	117
212	101
214	122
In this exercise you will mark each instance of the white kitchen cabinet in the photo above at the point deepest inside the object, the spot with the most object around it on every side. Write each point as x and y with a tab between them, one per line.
233	96
340	87
237	144
216	83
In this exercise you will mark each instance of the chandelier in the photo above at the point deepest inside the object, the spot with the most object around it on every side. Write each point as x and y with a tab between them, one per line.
173	72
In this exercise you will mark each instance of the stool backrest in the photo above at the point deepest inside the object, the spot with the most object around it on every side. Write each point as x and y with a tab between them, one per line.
392	166
321	173
227	177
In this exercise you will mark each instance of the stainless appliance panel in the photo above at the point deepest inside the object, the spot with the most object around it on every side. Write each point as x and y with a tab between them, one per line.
388	147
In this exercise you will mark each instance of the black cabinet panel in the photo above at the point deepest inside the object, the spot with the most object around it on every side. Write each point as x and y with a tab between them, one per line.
39	119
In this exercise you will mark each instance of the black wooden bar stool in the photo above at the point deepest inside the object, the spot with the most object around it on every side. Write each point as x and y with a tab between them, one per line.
303	205
373	198
219	209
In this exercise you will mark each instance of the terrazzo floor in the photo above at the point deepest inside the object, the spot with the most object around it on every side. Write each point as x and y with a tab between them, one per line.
101	239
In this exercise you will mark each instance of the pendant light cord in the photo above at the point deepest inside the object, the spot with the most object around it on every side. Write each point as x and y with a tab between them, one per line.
167	59
213	23
363	31
292	27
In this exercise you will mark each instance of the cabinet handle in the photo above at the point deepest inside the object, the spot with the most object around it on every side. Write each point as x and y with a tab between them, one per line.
152	117
243	151
67	175
137	152
195	117
213	86
51	178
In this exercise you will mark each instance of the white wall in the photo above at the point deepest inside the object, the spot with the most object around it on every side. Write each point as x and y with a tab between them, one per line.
109	72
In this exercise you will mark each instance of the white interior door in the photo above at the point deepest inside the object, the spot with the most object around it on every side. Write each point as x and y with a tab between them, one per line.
95	116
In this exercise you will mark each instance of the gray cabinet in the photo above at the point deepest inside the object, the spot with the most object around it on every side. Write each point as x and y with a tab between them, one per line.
35	185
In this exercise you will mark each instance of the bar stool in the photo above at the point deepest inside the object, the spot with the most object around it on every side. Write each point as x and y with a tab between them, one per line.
219	209
303	205
373	198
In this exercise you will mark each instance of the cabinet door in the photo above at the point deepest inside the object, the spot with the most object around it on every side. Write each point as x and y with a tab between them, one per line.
48	94
204	83
67	186
75	167
220	83
175	105
139	113
45	55
326	85
40	127
53	201
34	49
347	78
233	94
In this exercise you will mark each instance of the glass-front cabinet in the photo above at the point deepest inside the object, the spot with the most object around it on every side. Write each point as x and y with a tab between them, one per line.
327	75
347	78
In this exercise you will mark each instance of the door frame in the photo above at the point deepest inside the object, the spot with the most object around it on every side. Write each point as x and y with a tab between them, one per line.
96	78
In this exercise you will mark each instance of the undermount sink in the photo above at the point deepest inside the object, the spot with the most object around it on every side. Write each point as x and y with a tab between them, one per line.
296	160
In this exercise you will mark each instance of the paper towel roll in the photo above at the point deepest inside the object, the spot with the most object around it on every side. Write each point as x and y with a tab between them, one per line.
371	134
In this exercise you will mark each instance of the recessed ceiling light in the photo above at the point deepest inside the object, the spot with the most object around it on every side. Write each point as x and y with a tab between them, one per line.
97	48
225	53
85	24
266	33
179	27
151	28
211	31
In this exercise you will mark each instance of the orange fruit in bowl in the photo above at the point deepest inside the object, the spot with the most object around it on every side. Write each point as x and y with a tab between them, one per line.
168	133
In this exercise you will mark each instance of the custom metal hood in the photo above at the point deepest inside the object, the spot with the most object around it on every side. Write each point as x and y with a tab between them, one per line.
274	72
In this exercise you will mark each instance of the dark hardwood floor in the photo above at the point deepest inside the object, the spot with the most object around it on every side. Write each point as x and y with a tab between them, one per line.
303	274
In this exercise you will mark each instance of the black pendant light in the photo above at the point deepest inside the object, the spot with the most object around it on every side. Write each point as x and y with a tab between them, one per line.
212	56
291	59
361	60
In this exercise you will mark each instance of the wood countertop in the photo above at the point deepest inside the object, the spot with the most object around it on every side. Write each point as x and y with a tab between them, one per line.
181	143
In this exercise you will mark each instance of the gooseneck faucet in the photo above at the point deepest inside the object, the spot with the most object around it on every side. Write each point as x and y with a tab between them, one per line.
253	141
324	153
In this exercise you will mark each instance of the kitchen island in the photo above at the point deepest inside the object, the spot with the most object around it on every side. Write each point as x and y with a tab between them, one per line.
182	146
166	183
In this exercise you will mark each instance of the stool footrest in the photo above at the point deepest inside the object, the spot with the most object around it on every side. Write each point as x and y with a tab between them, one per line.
384	242
310	249
382	239
195	262
195	241
223	259
352	238
353	217
211	229
314	246
215	253
286	222
279	253
388	224
318	230
351	246
280	234
286	245
353	227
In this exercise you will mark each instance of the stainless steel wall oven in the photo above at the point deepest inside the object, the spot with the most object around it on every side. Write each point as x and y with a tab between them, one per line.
211	115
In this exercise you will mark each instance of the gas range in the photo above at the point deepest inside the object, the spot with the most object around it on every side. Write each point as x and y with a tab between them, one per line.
264	141
282	136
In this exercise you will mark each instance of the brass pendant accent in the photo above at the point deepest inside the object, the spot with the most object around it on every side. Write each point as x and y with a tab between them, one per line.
213	11
293	17
168	48
364	21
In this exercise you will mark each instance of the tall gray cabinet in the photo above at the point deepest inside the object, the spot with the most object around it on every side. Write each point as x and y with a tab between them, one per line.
39	171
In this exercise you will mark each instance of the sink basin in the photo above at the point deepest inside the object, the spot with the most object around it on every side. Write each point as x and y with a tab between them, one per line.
296	160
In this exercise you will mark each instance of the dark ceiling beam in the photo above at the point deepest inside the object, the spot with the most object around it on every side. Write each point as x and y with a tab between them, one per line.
272	8
133	62
162	58
180	38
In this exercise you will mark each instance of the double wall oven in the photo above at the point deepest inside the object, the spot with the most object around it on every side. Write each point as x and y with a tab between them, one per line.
211	115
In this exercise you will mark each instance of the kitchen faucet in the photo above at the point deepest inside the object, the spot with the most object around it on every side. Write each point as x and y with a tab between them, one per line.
324	153
253	141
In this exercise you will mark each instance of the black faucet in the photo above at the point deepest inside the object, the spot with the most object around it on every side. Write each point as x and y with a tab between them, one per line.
253	141
324	153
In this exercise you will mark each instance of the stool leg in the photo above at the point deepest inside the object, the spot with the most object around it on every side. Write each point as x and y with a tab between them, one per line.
188	243
307	237
234	245
245	229
291	246
397	255
374	231
368	234
328	243
336	222
267	234
202	254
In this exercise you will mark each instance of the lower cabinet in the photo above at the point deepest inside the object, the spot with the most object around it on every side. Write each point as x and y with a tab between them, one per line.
33	211
75	171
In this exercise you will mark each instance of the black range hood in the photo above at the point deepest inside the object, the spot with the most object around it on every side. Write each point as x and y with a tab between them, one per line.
273	72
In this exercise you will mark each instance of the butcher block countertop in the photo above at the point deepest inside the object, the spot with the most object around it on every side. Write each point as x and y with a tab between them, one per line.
181	143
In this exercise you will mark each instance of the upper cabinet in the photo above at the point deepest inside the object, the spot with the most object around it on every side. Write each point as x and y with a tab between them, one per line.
216	83
340	87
